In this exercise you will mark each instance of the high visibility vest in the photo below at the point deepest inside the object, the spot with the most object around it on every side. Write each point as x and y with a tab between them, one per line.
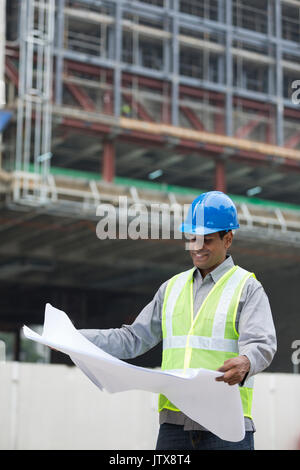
210	338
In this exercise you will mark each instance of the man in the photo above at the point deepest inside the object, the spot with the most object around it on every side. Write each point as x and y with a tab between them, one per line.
215	316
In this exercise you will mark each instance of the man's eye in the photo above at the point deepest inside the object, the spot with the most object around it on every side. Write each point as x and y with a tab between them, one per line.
190	238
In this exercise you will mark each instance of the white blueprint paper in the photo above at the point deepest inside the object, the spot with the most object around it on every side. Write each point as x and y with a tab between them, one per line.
215	405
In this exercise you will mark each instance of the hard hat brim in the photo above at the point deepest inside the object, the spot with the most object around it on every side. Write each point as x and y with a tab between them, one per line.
187	228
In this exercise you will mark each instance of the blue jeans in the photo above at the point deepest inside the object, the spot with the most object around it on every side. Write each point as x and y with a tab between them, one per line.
173	437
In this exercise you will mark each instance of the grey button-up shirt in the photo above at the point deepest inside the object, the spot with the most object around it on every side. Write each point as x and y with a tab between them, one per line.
254	323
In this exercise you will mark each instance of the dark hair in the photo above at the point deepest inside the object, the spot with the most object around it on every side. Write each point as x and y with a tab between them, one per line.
223	232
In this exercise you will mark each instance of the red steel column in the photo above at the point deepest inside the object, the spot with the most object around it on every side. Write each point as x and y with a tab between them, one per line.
108	161
220	179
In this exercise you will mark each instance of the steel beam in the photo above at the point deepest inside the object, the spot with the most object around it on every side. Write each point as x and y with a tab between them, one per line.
289	112
293	141
81	97
260	102
137	107
192	118
12	72
157	75
245	130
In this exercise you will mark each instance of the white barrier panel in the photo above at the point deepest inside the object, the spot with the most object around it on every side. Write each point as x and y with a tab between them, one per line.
2	351
44	406
276	411
56	407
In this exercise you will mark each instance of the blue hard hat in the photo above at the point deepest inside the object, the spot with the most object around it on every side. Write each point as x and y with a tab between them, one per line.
210	212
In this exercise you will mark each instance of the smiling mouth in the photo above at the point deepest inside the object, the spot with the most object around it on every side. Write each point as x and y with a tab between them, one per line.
200	256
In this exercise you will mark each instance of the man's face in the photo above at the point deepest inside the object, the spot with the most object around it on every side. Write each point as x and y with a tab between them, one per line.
209	251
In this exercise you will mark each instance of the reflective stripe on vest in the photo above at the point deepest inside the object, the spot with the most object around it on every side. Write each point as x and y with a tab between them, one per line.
211	331
201	342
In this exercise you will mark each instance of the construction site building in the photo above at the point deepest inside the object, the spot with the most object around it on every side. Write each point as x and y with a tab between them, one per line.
158	101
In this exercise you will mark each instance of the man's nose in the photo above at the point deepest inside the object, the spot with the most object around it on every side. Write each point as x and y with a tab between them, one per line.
198	243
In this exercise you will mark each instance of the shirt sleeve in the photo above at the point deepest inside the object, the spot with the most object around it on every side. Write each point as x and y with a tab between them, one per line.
131	341
257	336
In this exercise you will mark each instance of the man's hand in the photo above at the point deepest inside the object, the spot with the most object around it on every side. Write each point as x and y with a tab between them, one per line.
235	370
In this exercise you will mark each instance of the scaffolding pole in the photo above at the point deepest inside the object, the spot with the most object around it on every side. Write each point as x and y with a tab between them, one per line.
2	51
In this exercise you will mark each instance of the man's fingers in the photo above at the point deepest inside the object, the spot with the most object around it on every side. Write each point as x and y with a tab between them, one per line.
226	366
229	382
234	370
229	377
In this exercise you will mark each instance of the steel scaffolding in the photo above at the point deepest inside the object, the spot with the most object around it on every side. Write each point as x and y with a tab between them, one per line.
35	87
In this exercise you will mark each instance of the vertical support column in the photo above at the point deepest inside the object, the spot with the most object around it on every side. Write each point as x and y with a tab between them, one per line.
221	10
166	41
2	51
220	176
108	100
221	18
166	115
225	124
108	160
219	124
269	130
2	62
118	58
17	345
175	71
59	57
21	91
271	72
221	119
279	78
229	70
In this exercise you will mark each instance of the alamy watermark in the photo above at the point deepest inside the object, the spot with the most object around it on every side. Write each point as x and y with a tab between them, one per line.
296	354
296	93
139	220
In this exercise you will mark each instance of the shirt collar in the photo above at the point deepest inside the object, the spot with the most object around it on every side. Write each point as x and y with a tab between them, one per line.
219	271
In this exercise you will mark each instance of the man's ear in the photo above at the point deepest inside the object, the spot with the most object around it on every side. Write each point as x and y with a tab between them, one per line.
228	239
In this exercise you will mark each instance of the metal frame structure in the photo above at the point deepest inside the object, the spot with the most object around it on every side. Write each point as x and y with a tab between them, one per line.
101	47
184	69
172	20
165	23
103	68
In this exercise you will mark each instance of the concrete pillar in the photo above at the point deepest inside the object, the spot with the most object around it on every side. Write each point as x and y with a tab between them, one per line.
108	161
220	176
